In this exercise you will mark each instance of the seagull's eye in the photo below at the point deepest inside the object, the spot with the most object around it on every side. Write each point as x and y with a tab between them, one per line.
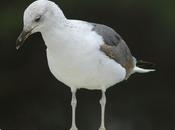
37	19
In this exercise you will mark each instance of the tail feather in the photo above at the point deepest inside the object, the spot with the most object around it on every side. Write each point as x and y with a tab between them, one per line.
141	70
143	67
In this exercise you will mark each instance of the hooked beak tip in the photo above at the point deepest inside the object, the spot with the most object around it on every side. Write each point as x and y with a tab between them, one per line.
19	43
17	47
21	39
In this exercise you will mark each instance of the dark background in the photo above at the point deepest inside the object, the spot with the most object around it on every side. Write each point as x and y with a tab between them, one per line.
32	99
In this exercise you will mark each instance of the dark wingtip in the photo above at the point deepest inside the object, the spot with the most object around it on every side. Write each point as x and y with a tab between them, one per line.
146	64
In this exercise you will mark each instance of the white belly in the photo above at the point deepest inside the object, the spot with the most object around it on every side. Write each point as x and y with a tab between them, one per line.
74	58
92	71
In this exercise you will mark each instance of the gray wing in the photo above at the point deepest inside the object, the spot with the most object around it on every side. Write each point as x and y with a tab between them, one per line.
115	47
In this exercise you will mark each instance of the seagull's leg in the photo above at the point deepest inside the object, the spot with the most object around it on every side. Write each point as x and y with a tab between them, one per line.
74	104
103	103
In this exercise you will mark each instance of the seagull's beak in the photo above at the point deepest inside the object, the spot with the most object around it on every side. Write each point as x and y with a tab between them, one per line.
22	38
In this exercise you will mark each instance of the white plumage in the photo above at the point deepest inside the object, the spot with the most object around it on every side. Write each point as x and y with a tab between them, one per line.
74	57
74	51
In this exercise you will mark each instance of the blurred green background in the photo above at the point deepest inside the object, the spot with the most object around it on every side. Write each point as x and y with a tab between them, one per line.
32	99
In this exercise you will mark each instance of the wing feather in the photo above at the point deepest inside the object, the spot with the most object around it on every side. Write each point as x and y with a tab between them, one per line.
115	47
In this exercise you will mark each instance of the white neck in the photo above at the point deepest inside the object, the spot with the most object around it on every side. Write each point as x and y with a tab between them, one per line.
55	28
57	14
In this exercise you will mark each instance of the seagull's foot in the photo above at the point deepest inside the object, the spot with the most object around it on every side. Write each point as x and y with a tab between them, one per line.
73	128
102	128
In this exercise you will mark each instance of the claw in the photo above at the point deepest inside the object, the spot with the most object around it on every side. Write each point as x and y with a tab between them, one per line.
102	129
73	128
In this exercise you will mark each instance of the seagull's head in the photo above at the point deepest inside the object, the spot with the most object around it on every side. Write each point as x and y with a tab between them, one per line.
37	17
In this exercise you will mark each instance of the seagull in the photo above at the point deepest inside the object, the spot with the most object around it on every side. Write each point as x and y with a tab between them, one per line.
80	54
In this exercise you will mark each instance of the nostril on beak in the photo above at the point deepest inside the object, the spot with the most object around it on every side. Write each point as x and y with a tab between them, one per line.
21	39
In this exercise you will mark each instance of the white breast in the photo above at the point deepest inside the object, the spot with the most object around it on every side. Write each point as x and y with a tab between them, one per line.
75	59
